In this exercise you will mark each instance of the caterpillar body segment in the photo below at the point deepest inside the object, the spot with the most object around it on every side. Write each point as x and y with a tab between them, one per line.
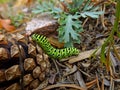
51	51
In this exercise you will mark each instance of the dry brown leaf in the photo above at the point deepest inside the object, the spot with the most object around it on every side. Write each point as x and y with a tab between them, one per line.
5	23
21	3
55	42
95	1
28	2
82	56
70	70
78	77
0	26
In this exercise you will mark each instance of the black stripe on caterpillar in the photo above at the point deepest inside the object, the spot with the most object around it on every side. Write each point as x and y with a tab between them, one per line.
51	51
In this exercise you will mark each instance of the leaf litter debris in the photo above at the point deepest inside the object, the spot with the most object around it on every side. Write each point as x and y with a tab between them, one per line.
84	71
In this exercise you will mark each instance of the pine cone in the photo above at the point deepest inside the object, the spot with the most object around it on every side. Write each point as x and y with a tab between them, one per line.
22	64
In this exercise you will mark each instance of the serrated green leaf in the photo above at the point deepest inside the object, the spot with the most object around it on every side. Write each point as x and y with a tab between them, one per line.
69	21
67	30
86	5
75	5
91	14
47	7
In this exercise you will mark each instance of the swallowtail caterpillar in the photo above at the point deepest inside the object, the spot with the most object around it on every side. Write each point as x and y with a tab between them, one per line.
51	51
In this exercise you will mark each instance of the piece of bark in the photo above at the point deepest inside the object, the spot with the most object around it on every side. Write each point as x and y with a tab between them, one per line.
27	79
31	50
2	76
47	30
34	84
12	72
14	86
3	54
29	64
43	25
36	72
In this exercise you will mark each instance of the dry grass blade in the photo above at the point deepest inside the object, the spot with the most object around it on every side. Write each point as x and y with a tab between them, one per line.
64	85
102	86
97	82
111	80
108	59
90	84
116	52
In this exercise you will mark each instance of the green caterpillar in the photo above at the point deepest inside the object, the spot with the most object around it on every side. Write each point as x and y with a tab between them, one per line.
51	51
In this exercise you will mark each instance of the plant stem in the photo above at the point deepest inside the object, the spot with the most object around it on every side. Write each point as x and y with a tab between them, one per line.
110	39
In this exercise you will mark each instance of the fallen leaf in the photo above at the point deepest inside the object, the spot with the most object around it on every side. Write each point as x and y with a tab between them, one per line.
29	2
21	3
78	77
0	26
86	65
55	42
5	23
70	70
82	56
87	54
